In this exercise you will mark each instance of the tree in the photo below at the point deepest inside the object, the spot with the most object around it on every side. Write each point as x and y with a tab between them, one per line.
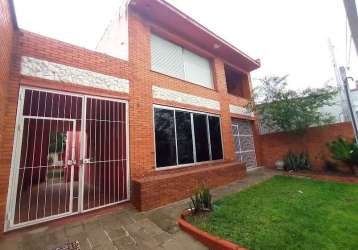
283	109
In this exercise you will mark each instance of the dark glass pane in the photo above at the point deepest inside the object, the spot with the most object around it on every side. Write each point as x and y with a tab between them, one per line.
165	137
184	137
215	138
201	137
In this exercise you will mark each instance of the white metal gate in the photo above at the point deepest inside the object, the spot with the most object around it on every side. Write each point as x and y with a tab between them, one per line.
70	156
244	142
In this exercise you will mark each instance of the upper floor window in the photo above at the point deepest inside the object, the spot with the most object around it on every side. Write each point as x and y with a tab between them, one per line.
237	82
173	60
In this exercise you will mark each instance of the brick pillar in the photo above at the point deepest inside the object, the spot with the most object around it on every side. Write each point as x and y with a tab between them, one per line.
8	101
141	104
220	84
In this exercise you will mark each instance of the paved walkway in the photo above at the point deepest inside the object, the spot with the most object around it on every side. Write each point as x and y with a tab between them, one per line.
125	228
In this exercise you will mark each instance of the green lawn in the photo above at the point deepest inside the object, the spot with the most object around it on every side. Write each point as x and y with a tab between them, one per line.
287	213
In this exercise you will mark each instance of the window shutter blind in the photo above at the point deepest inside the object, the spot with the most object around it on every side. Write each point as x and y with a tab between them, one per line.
167	57
197	69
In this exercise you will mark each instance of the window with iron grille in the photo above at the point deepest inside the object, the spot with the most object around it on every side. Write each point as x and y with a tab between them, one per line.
186	137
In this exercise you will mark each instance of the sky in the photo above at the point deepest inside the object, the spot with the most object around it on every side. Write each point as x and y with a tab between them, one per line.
289	37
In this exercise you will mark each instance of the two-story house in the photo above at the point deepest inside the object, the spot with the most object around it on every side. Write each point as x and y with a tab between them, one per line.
156	112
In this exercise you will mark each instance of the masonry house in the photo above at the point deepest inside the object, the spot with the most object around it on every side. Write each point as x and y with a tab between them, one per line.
153	113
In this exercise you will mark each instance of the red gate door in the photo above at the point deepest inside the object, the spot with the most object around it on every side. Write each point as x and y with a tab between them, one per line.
105	156
45	159
70	155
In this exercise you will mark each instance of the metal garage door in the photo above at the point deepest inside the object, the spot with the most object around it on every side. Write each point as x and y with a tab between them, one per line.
244	142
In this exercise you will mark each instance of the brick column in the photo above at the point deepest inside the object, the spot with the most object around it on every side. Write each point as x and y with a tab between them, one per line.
140	104
220	84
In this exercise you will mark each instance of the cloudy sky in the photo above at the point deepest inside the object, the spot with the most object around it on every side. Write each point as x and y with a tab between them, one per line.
290	37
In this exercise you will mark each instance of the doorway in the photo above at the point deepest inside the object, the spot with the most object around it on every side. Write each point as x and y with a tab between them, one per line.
70	156
244	142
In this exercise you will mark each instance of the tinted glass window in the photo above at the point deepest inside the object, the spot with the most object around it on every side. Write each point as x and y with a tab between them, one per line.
165	137
215	138
201	137
184	137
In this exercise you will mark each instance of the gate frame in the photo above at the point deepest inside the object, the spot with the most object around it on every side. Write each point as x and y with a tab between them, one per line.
16	153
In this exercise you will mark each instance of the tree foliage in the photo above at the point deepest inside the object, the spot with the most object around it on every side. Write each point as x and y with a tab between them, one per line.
282	109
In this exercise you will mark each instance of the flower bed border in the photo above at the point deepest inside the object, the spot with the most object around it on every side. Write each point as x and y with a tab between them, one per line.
325	177
212	242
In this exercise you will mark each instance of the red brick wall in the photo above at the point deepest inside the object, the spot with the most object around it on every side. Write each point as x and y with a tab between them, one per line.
142	146
155	191
275	146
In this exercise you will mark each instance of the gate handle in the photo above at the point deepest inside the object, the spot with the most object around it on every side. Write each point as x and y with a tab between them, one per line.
87	160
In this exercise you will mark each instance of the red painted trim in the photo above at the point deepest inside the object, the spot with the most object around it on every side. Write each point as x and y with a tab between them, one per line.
212	242
70	87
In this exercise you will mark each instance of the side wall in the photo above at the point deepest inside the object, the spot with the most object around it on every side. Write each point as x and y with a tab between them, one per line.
275	146
6	41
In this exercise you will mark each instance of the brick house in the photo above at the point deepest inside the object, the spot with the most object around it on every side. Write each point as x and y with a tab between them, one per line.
83	130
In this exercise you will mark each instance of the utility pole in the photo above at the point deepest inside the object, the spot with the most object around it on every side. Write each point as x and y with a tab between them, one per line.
351	12
343	86
347	91
339	80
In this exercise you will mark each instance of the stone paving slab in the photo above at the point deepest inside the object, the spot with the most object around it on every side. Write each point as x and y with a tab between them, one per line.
126	229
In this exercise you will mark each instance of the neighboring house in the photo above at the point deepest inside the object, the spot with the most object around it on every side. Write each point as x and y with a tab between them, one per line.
81	130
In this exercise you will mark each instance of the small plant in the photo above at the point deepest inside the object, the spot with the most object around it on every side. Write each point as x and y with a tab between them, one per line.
201	201
346	152
296	162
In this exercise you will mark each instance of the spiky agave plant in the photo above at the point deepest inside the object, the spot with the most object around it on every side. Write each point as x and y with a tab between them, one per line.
201	201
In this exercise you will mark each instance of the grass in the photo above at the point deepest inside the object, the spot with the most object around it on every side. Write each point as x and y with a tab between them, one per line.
287	213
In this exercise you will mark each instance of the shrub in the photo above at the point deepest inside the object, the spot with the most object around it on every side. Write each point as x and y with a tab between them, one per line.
330	166
346	152
201	201
296	162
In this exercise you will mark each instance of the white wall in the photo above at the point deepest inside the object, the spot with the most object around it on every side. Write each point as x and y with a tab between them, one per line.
114	41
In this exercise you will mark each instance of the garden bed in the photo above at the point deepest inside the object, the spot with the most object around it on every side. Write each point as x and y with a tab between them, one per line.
285	213
327	176
212	242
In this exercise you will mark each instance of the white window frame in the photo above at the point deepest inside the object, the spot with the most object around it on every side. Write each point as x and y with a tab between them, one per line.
195	163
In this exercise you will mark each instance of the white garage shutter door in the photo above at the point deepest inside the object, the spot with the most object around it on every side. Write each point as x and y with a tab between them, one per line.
173	60
167	57
197	69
